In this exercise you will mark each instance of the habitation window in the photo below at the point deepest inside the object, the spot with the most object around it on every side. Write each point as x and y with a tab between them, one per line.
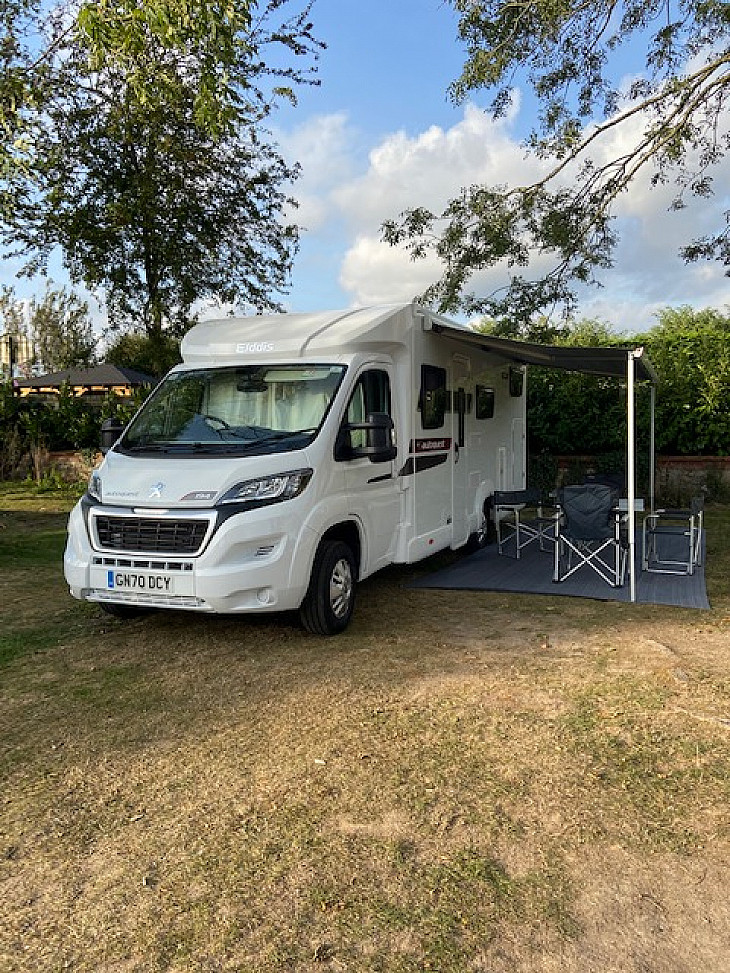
433	397
516	382
485	402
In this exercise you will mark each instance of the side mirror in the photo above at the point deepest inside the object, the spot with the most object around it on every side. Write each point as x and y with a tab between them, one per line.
111	430
379	447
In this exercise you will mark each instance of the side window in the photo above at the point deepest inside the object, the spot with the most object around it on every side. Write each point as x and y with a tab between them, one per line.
485	402
516	382
371	394
432	399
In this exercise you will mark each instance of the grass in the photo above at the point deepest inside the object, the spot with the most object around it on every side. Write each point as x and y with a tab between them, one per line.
460	782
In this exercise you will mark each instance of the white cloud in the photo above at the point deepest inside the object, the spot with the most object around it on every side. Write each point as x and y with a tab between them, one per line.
374	273
430	167
427	169
323	147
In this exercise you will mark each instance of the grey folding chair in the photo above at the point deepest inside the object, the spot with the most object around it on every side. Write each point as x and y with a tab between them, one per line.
671	541
590	533
509	506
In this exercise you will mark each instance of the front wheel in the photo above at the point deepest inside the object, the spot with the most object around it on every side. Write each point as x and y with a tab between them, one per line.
330	599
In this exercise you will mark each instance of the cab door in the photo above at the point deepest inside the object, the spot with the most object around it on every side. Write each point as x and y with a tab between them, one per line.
373	494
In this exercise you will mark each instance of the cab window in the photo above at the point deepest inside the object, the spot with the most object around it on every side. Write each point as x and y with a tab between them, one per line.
371	394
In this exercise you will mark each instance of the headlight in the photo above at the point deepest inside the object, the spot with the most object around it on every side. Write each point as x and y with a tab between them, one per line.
269	489
94	487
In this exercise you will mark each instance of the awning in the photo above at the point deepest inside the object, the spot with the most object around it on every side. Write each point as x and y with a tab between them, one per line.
590	361
627	364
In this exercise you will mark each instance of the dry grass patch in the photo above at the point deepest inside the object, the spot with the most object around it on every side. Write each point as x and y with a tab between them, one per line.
460	782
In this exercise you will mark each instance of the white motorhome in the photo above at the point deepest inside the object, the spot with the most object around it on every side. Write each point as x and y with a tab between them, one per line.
290	456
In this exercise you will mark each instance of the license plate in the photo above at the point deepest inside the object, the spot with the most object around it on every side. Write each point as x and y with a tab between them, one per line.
159	584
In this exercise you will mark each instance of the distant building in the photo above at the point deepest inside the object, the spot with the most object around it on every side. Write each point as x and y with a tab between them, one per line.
16	355
97	381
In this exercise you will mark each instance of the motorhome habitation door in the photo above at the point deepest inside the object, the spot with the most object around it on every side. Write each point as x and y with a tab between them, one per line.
460	372
518	454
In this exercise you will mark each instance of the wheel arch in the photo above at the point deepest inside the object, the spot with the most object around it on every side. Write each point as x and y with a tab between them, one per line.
347	531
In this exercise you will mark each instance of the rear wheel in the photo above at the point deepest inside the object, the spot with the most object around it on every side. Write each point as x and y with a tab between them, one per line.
330	599
480	538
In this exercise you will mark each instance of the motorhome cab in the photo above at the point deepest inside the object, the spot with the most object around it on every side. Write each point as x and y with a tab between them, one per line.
291	456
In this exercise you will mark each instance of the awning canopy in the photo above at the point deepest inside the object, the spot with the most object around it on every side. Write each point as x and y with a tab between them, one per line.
590	361
626	364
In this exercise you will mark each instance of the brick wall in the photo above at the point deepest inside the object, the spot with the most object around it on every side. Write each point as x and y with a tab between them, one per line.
677	478
72	465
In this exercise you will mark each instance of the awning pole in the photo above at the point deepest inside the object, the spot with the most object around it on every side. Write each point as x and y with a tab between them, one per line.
631	469
652	450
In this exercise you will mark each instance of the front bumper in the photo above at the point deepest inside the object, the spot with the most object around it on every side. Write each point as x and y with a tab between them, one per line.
254	561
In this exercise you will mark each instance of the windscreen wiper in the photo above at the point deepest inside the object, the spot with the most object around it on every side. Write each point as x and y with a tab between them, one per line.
170	447
286	434
146	447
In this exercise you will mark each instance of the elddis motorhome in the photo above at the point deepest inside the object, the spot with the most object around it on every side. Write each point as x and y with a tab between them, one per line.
292	455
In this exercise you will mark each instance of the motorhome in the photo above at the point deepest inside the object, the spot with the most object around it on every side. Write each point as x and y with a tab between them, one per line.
290	456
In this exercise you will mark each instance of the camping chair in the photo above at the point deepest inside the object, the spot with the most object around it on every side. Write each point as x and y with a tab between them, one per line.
678	532
617	482
589	530
508	507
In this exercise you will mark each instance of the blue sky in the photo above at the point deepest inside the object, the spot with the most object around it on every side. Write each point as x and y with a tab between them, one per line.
386	70
379	134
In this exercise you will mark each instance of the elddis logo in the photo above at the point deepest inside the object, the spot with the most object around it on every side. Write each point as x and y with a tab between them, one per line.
254	347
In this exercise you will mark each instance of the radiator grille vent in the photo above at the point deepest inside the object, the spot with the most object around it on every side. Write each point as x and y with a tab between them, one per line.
151	535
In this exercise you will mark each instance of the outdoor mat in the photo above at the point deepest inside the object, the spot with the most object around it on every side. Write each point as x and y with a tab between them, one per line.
532	574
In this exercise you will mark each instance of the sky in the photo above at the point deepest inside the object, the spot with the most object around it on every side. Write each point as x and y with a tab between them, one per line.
379	134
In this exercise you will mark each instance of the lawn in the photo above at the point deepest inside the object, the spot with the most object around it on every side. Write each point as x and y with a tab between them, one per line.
460	782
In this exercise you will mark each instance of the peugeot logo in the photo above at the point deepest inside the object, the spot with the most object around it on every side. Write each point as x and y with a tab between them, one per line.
156	490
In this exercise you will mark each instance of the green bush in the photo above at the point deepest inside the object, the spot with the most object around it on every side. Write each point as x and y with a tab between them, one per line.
574	414
31	425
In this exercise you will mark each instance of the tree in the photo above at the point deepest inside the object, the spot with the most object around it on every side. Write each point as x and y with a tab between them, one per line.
17	345
138	352
11	312
542	330
34	36
571	413
56	332
670	119
150	167
691	352
63	332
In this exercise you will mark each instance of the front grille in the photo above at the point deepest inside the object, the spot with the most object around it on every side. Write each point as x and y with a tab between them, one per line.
148	534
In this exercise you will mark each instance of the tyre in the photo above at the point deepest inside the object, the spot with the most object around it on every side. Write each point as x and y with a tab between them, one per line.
476	541
481	536
330	599
122	611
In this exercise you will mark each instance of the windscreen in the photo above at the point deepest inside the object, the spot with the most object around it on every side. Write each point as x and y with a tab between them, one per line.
235	409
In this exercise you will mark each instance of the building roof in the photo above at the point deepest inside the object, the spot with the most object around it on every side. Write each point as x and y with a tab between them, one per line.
104	375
